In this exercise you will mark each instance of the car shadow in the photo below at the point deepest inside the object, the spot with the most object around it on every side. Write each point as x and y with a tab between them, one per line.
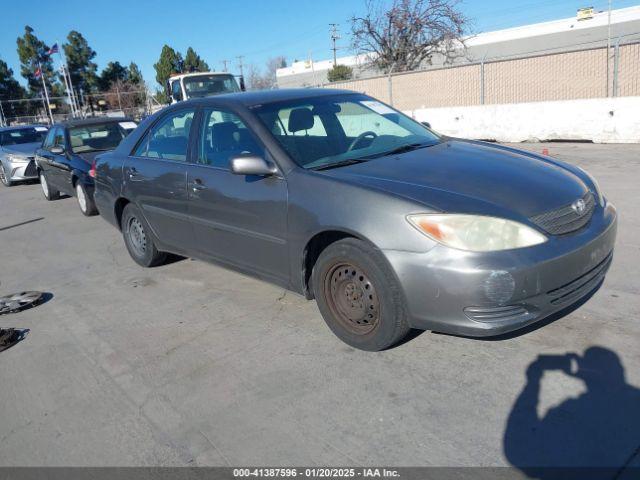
594	435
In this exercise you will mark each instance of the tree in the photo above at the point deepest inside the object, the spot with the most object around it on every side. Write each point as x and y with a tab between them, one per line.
135	75
340	72
193	62
32	50
125	95
111	74
409	33
170	63
264	81
79	60
10	89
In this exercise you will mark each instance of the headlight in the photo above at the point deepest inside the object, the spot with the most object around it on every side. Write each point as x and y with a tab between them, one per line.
476	233
598	192
15	158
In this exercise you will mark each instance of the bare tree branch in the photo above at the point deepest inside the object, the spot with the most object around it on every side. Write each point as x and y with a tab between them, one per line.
409	33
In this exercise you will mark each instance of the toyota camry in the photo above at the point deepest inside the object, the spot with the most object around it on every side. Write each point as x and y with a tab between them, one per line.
341	198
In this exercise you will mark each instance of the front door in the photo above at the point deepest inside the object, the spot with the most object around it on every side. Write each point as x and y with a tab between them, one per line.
155	179
236	218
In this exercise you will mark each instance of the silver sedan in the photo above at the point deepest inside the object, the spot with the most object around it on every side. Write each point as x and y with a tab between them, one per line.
17	148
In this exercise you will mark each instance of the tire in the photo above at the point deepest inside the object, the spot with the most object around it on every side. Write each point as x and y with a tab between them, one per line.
358	295
49	192
85	201
138	240
3	176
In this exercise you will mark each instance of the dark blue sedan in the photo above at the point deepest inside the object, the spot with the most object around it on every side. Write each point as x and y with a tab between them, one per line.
66	160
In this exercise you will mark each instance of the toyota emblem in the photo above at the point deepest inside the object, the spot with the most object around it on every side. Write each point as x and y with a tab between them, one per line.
579	206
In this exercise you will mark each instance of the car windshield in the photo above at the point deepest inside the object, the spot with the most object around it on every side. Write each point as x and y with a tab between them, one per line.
97	137
331	131
208	85
23	135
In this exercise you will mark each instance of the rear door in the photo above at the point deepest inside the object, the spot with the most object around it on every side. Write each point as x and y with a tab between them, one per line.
236	218
155	178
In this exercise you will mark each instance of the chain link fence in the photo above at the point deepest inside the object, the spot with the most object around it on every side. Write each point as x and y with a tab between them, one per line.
136	104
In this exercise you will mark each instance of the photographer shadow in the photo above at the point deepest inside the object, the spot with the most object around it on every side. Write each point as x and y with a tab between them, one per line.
594	435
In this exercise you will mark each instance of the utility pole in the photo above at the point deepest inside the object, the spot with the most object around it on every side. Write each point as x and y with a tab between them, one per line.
2	120
240	57
608	44
224	63
334	36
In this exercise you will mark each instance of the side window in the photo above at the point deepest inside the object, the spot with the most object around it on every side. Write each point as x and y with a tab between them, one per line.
168	139
58	139
224	136
48	141
176	90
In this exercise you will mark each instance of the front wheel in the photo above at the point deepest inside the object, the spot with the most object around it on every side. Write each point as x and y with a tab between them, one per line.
3	176
48	192
359	296
137	239
85	201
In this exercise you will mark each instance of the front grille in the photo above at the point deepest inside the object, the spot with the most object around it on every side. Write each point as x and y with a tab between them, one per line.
31	170
566	219
581	285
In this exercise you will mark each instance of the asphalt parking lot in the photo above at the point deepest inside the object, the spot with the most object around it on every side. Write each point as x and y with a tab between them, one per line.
192	364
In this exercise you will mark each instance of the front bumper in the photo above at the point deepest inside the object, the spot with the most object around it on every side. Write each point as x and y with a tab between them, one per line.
488	294
17	170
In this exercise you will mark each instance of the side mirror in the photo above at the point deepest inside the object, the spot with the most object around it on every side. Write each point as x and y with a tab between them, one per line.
57	149
426	124
252	165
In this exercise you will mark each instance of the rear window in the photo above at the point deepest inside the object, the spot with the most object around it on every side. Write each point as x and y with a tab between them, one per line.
98	137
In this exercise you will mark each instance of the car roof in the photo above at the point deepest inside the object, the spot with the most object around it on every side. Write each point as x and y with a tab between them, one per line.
81	122
261	97
20	127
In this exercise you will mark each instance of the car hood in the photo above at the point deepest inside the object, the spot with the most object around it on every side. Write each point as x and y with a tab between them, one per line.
462	176
22	149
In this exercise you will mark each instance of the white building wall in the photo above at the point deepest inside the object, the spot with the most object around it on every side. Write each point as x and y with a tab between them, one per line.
601	120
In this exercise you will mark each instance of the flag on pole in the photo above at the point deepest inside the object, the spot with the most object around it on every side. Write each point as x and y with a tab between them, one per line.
53	49
38	73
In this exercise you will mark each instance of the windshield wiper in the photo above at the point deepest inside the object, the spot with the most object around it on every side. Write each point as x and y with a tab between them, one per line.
402	149
343	163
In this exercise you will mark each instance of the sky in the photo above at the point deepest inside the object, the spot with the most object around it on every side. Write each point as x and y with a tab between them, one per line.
135	30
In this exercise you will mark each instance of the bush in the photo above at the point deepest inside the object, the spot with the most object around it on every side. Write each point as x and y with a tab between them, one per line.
340	72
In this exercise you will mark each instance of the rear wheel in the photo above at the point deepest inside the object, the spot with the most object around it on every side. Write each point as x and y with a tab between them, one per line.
3	177
358	295
137	239
85	202
48	192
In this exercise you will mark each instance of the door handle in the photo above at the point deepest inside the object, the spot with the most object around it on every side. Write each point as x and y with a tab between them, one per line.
198	185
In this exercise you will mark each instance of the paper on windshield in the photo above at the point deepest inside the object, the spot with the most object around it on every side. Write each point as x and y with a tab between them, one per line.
377	107
128	125
41	129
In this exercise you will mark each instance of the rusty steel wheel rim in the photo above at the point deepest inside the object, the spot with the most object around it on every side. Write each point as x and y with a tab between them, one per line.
352	298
